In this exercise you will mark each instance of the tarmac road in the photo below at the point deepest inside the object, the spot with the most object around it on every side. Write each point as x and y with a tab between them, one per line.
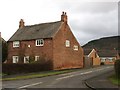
69	80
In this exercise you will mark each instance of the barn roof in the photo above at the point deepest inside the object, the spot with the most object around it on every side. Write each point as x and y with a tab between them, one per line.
44	30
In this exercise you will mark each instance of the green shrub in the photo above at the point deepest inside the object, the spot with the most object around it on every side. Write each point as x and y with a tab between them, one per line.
117	68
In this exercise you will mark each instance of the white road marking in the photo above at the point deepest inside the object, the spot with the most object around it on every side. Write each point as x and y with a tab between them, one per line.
65	77
100	69
73	75
68	74
30	85
64	74
86	72
107	67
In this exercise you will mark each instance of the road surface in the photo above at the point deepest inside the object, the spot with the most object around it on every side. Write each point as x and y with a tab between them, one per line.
68	80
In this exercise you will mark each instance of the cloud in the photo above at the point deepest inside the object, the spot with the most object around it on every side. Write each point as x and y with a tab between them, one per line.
88	20
96	7
98	21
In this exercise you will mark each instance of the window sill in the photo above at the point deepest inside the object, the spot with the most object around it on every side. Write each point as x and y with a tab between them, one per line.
39	45
15	47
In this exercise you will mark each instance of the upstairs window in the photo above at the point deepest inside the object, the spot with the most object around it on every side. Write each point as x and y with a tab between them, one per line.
39	42
75	47
67	43
16	44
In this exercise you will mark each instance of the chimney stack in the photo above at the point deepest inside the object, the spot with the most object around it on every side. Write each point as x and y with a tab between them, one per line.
21	24
64	17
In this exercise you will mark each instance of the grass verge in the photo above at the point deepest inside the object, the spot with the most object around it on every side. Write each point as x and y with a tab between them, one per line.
114	80
37	75
2	74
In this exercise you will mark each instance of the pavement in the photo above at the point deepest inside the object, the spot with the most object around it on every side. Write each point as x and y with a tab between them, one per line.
74	80
102	82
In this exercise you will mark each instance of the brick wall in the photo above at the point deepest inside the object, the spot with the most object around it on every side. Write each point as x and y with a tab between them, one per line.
96	60
54	49
107	62
42	51
66	57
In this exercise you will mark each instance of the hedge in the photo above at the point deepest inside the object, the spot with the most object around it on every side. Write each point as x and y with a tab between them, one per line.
117	68
26	68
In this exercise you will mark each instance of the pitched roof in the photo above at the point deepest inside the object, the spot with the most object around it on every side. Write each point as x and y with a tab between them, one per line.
107	53
44	30
102	53
87	51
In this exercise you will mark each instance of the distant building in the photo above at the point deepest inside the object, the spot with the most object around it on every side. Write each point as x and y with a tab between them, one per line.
108	56
53	41
92	53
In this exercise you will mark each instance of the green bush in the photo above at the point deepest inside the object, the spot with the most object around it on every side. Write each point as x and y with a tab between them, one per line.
26	68
117	68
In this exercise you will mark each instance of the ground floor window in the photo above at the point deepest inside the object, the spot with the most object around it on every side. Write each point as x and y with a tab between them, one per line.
37	58
111	59
26	59
15	59
103	60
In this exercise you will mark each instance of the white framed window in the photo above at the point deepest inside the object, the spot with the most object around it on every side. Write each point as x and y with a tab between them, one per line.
37	58
15	59
26	59
110	59
16	43
39	42
103	59
75	47
67	43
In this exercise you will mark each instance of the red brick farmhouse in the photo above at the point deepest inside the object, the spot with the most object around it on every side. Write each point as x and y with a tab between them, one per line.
46	41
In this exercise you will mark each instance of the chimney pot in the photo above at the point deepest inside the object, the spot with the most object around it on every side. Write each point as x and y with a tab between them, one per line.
64	17
21	23
62	13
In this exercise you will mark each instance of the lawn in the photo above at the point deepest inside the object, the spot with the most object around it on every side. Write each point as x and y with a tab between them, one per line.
115	80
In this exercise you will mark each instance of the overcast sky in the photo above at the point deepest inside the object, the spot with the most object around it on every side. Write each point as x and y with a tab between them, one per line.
88	20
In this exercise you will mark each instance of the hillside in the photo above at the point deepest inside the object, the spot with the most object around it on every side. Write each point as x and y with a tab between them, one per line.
106	43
